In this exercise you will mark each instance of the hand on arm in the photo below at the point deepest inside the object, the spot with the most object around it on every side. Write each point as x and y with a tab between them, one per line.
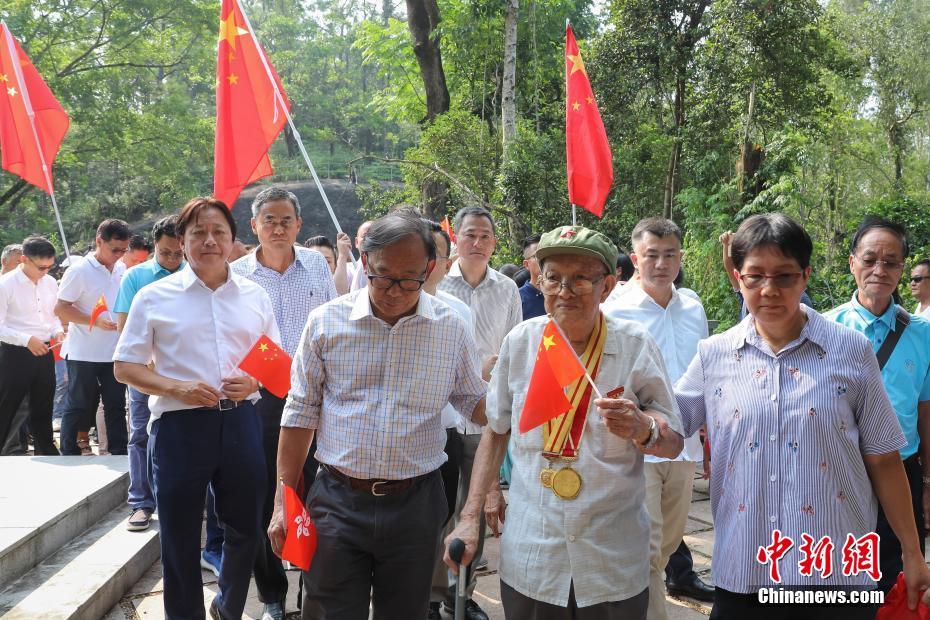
488	459
889	482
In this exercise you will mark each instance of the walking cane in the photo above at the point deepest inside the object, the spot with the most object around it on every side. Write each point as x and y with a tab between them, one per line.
456	551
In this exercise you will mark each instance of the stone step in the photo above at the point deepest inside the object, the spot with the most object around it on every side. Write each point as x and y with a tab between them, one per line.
85	578
48	501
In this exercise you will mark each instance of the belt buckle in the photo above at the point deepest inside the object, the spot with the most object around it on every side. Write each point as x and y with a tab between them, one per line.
374	486
225	404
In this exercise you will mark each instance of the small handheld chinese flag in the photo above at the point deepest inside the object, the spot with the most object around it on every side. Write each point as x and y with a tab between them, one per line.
556	368
587	153
249	114
895	607
32	122
99	308
446	226
270	364
300	542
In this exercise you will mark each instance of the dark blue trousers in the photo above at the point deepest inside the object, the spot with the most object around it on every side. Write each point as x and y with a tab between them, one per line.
88	382
191	449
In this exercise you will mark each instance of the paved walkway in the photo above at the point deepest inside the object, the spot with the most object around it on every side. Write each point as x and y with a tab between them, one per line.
144	600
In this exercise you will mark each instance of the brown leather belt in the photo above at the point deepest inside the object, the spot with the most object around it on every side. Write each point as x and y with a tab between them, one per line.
378	488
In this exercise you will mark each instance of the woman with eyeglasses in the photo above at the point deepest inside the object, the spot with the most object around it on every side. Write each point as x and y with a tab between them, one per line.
803	439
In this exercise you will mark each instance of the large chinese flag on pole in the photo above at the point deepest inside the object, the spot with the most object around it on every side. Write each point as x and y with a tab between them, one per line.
32	122
590	164
557	367
250	104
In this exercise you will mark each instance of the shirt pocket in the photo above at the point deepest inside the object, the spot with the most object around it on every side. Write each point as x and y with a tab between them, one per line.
602	443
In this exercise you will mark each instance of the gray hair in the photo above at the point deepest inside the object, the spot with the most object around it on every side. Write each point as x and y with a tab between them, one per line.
273	194
394	228
476	212
8	250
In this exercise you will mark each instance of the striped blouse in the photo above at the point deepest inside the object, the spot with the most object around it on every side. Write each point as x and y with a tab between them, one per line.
788	433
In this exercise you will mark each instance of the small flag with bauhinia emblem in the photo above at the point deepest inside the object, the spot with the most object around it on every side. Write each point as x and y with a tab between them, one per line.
300	542
270	364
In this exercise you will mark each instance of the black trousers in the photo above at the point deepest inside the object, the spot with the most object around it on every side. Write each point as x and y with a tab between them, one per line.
450	469
270	578
88	381
380	549
23	374
890	547
732	606
518	606
680	567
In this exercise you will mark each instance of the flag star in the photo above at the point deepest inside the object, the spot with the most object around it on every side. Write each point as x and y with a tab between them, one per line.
229	30
233	79
590	100
577	63
263	347
12	91
548	341
3	77
576	106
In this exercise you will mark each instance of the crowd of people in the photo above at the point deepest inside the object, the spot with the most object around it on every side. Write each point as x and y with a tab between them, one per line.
411	368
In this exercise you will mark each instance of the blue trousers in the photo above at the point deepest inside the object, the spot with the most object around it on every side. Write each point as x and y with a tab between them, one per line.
88	381
140	489
191	449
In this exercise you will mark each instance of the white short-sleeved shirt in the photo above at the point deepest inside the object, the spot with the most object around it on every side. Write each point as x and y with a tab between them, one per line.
599	541
83	283
193	333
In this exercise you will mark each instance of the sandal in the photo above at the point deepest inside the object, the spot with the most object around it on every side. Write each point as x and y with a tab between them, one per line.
84	445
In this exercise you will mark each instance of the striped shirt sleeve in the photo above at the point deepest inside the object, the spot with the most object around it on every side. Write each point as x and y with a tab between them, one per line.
689	394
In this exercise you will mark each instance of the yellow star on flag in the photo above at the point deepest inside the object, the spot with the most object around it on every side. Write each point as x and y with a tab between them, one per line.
12	92
233	78
577	64
590	100
576	106
3	77
229	30
263	347
548	342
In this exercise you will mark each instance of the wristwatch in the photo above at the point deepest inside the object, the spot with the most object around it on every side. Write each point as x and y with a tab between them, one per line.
653	434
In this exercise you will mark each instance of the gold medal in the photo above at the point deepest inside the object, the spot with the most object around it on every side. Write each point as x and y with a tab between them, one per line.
566	483
545	476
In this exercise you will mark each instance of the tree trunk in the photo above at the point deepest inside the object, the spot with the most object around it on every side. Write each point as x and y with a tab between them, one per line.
423	21
675	157
290	141
509	113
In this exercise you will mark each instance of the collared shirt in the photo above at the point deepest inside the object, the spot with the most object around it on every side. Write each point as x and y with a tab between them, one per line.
193	333
374	392
906	374
677	329
925	313
83	283
532	301
600	540
495	304
358	279
304	285
27	308
135	278
788	433
451	417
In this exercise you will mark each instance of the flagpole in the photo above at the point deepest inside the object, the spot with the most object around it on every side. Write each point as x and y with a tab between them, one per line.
290	121
574	215
17	69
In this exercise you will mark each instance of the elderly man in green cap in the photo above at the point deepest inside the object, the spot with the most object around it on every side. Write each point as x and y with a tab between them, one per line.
578	550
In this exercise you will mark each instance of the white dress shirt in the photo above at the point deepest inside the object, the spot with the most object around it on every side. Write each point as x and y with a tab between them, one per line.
925	313
677	329
27	308
83	283
374	392
193	333
600	540
358	279
450	417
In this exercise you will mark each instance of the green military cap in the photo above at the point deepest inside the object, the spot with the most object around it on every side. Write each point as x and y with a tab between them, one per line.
581	241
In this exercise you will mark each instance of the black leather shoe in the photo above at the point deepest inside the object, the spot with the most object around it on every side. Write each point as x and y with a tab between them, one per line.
694	588
273	611
472	611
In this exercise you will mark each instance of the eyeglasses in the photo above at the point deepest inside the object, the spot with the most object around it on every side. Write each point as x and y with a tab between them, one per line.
384	283
41	267
780	280
919	279
169	254
579	285
871	263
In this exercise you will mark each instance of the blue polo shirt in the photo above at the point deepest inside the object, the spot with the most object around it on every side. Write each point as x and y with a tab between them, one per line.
907	374
137	277
532	300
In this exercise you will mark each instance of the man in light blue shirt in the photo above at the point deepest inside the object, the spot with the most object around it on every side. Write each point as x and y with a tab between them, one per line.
878	251
168	258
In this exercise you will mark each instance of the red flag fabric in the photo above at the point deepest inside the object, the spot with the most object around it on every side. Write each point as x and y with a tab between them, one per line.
300	542
99	308
557	366
588	157
447	226
25	100
895	606
270	364
55	346
248	113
